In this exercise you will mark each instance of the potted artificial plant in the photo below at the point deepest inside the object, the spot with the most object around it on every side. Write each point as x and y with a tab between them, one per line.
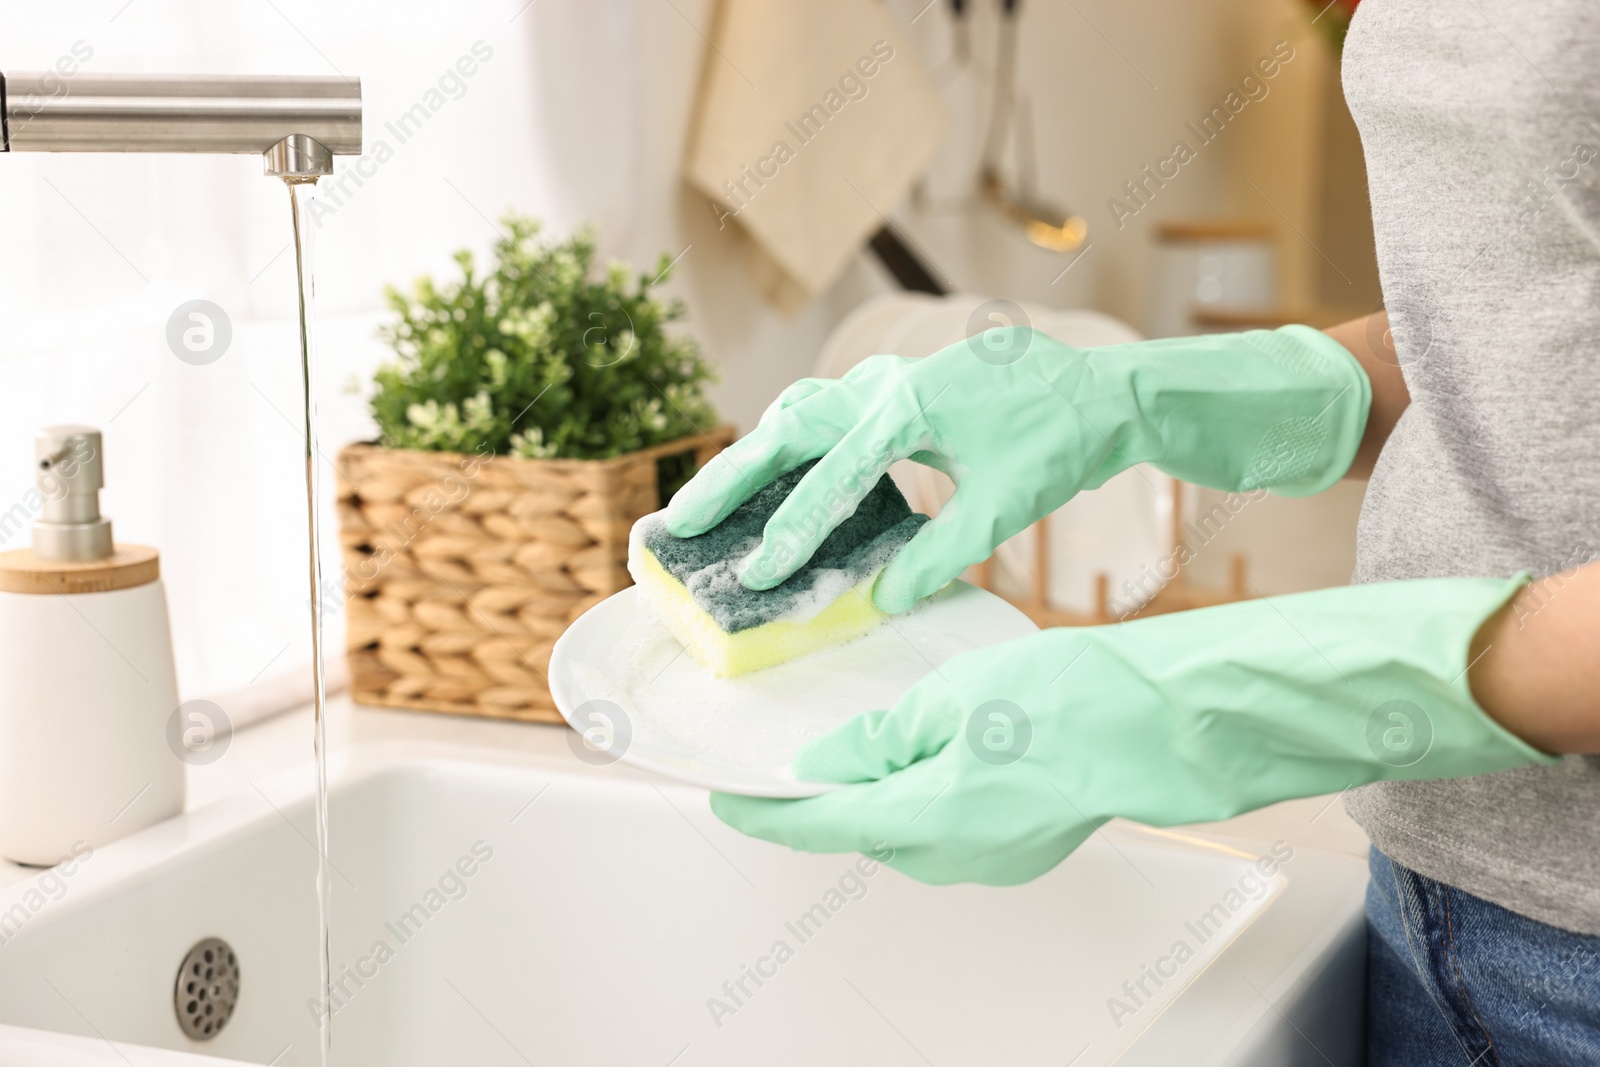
531	414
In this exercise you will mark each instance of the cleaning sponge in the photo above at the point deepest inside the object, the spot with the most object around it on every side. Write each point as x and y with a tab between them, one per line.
692	583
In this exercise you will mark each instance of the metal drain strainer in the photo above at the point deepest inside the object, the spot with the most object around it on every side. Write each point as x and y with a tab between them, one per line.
207	989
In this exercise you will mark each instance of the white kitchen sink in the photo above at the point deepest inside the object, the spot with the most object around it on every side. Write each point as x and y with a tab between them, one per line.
609	918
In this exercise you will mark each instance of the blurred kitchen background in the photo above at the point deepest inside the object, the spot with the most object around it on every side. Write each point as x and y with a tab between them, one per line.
618	112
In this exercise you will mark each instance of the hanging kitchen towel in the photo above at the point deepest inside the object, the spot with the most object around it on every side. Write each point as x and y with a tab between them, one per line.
813	120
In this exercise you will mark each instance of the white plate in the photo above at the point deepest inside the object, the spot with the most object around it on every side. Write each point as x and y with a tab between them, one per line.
618	675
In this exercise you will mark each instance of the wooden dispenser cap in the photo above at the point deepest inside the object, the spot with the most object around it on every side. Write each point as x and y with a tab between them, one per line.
130	565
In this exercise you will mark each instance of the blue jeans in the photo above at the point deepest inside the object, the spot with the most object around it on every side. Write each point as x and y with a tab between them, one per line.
1455	980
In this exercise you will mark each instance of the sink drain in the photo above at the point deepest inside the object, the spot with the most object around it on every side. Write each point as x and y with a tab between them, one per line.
207	989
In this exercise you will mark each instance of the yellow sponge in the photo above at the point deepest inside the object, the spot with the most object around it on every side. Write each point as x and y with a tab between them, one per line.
691	583
727	654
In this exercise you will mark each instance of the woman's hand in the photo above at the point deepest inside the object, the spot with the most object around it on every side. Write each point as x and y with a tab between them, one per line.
1021	423
1002	761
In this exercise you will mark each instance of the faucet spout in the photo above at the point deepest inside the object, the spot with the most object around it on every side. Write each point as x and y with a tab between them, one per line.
278	117
299	158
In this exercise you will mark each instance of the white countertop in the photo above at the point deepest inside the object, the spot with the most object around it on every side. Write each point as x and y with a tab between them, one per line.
280	742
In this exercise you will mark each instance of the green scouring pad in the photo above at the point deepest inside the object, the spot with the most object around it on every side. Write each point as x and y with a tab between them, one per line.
692	583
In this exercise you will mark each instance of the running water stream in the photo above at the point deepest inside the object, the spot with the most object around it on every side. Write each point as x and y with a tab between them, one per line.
301	194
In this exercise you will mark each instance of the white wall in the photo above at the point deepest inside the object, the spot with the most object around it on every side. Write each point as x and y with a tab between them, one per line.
1110	87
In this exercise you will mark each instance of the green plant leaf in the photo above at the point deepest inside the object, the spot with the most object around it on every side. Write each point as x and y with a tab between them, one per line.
542	354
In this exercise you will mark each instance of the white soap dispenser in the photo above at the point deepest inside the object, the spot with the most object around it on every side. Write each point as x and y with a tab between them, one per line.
87	684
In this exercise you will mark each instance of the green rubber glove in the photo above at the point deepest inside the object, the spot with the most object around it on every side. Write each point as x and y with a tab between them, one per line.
1021	423
997	765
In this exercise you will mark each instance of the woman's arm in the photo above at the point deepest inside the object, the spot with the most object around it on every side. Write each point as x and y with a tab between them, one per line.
1534	667
1533	663
1369	341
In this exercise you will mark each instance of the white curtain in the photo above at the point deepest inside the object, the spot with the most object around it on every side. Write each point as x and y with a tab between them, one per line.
579	113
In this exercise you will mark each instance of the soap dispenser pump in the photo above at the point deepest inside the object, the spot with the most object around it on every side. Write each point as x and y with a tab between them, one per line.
87	682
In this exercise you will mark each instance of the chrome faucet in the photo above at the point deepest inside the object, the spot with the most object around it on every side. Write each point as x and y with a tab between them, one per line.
297	124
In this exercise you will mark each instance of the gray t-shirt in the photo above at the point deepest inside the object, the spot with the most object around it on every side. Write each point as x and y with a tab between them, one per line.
1481	127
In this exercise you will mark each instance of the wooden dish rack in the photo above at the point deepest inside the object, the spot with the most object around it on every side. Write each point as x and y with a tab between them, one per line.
1180	593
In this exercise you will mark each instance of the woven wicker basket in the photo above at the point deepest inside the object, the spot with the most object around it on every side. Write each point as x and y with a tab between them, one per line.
461	571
